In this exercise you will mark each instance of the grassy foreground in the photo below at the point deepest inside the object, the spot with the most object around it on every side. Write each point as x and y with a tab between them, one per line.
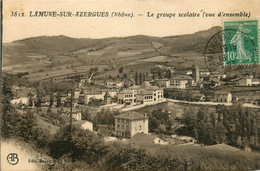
215	157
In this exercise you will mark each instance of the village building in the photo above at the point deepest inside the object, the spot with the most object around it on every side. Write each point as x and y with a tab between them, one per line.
181	81
195	73
162	82
77	93
223	97
20	100
117	83
127	96
76	113
150	95
84	125
63	98
130	123
45	101
108	98
249	81
112	92
90	96
204	73
146	93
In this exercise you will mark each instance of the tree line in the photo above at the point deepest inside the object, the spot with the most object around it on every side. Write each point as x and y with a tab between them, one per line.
236	126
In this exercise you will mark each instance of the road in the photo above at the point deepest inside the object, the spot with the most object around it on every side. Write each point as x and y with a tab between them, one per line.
212	103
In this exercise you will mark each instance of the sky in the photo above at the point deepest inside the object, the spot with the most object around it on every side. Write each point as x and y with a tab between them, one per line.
15	28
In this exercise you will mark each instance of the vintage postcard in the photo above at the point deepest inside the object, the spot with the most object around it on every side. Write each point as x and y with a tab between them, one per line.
130	85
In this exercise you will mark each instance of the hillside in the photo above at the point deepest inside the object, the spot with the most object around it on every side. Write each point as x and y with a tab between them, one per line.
119	48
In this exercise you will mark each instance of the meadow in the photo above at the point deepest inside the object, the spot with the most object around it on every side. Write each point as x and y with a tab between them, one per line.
215	157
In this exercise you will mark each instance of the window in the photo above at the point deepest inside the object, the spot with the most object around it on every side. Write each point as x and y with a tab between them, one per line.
118	126
127	128
140	127
123	127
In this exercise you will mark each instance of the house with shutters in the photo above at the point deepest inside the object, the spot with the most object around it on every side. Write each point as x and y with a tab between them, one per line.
130	123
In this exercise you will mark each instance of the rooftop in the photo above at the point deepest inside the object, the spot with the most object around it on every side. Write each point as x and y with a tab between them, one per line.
162	79
131	116
222	92
126	91
184	77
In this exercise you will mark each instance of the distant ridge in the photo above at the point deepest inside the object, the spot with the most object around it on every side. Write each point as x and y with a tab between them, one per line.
17	51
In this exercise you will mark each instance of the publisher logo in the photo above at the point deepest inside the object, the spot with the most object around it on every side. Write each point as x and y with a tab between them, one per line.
12	158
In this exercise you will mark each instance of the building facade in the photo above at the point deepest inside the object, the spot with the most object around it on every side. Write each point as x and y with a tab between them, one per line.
181	82
248	82
76	113
130	123
223	97
162	82
146	93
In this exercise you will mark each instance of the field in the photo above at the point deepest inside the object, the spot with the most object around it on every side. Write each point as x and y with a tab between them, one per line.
216	157
155	59
42	123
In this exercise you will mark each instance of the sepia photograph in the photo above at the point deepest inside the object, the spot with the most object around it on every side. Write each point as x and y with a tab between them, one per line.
130	85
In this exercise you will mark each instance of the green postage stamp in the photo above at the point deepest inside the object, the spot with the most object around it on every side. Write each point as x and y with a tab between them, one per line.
241	42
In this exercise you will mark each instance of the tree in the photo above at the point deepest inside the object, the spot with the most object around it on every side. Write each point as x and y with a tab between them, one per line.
136	78
95	69
144	79
13	123
30	102
125	75
169	74
159	74
162	128
51	100
153	76
58	97
121	69
140	78
78	144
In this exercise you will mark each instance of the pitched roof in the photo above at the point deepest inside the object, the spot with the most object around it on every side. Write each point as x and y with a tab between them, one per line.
153	88
131	115
222	92
162	79
126	91
183	77
107	95
134	87
67	109
146	92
